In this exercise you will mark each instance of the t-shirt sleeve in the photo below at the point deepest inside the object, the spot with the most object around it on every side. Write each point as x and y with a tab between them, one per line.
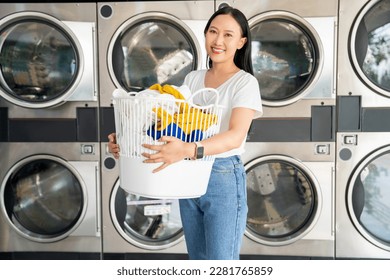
247	95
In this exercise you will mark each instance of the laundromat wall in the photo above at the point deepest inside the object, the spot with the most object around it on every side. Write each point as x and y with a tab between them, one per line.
317	161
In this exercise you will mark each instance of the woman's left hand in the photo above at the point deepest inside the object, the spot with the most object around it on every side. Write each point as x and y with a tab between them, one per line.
172	151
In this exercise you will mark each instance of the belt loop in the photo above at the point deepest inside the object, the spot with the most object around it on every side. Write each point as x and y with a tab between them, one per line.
236	160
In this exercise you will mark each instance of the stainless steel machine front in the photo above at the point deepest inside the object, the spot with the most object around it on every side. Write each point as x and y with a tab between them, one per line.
362	196
49	198
290	188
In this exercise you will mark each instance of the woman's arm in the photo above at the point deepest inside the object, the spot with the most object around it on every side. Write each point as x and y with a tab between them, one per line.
239	124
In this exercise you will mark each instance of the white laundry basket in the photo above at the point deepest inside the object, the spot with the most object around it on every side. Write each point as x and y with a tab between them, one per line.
144	119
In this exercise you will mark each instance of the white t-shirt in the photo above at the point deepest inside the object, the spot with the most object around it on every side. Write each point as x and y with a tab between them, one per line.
241	90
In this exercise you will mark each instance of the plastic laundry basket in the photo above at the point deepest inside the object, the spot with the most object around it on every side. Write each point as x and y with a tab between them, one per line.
144	119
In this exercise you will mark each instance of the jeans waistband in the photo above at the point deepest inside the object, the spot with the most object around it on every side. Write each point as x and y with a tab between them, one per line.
235	160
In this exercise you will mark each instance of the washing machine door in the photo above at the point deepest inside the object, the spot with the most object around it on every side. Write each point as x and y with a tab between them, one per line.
370	46
42	60
282	200
287	56
43	198
152	48
368	198
145	222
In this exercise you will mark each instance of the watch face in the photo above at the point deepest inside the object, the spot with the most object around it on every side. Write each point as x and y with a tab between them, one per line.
199	152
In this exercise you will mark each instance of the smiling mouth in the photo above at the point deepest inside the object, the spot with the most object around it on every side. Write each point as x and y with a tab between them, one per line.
216	50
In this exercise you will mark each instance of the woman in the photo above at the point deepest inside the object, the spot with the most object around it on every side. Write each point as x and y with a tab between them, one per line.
214	223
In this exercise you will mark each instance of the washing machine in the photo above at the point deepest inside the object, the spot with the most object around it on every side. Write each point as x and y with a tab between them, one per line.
48	76
142	43
293	53
362	196
49	129
50	200
137	227
363	91
363	83
290	189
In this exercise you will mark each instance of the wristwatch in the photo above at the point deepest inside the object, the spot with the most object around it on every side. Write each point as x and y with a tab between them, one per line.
199	151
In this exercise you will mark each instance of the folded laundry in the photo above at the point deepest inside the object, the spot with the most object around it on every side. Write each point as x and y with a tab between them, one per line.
187	124
170	115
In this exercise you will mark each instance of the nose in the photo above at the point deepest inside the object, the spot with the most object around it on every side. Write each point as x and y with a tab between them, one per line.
218	39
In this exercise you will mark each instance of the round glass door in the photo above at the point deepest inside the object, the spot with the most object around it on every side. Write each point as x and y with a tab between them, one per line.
285	57
368	197
145	222
152	48
370	46
39	60
282	200
43	198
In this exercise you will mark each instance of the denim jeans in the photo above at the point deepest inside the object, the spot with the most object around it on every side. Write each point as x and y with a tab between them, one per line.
214	223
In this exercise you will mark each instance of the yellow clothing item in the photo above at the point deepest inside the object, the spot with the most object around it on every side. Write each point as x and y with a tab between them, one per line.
188	119
168	89
192	120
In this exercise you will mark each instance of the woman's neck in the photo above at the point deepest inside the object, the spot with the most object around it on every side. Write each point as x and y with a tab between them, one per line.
217	75
222	69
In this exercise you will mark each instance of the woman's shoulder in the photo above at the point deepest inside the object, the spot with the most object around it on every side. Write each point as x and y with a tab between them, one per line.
244	77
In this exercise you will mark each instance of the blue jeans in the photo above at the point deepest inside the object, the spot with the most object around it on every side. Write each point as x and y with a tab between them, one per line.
214	223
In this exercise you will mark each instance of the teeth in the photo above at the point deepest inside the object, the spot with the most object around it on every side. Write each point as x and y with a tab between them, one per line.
217	50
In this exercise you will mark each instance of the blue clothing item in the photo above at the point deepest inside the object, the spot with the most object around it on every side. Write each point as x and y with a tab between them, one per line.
174	130
214	224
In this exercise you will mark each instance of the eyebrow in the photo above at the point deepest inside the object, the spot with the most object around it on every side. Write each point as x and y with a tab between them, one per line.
211	26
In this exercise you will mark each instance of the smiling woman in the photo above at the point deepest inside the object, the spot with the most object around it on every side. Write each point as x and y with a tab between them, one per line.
214	223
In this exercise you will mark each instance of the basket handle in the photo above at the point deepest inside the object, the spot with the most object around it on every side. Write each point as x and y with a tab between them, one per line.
213	90
119	92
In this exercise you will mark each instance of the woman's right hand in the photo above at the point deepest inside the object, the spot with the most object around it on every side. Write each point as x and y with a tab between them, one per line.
113	147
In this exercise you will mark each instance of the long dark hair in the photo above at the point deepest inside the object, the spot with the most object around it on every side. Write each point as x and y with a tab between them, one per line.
242	58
